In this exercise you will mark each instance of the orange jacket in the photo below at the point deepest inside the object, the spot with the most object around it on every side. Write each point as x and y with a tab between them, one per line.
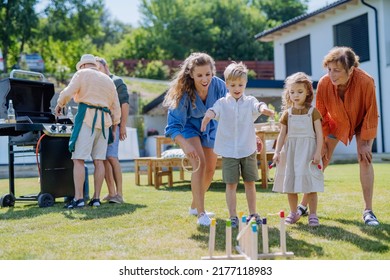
357	114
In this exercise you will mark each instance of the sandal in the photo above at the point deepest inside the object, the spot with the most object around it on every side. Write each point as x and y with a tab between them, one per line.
292	218
370	219
313	220
302	210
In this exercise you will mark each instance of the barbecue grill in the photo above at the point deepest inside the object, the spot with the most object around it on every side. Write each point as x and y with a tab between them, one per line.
37	129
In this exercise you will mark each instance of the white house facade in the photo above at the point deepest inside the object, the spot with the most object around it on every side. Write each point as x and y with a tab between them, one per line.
300	44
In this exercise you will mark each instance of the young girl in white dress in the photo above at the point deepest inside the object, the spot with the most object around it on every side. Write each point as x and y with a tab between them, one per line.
298	149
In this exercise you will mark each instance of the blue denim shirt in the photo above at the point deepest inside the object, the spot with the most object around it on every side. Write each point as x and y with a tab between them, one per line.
186	120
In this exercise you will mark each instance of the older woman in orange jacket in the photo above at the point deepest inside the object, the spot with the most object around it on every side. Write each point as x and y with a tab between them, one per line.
347	102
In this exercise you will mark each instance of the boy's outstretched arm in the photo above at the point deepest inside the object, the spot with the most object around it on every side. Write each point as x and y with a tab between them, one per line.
206	119
264	110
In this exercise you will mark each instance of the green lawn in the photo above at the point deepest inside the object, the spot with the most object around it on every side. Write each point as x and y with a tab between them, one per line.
154	224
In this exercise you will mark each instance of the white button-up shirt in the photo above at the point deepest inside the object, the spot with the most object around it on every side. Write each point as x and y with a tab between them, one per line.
236	135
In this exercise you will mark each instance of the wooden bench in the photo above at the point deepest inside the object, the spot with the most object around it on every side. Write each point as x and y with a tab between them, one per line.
143	166
156	168
162	166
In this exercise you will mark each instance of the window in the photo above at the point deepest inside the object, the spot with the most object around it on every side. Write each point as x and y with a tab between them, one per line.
354	33
298	58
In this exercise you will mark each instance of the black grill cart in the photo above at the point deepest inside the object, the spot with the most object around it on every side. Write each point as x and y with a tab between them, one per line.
36	130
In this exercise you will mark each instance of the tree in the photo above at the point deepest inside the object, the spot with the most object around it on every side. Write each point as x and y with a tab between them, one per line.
17	23
281	10
238	22
177	26
73	19
140	45
223	28
112	31
170	29
68	30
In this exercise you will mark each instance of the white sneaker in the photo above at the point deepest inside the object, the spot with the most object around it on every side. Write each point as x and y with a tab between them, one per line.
369	218
204	220
194	212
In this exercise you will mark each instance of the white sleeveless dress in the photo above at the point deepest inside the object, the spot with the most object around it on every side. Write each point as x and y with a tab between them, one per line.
295	173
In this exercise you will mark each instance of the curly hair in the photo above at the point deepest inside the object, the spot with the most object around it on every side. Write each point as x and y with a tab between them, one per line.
345	55
183	82
300	78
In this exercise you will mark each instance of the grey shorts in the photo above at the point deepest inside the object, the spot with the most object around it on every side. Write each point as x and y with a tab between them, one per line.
113	148
232	168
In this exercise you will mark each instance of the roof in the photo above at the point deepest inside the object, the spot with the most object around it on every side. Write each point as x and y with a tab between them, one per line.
270	34
154	103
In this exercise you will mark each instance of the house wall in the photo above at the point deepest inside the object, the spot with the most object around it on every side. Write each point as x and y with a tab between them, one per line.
264	92
157	122
321	40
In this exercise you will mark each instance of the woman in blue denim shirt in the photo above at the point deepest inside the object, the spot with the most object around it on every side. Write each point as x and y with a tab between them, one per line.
194	89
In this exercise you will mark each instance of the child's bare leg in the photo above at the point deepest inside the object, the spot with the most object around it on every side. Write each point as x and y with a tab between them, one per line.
293	217
231	199
305	200
313	202
293	201
250	192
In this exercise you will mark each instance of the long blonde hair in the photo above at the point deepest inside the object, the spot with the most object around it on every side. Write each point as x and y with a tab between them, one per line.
297	78
183	82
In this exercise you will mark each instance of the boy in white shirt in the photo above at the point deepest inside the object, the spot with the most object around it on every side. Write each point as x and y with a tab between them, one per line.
236	138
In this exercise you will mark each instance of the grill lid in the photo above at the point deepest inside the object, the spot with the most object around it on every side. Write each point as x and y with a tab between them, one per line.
31	99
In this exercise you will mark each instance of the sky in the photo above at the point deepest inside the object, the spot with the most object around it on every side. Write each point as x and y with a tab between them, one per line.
127	10
124	10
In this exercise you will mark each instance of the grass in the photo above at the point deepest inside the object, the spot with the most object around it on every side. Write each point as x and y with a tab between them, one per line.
148	89
154	224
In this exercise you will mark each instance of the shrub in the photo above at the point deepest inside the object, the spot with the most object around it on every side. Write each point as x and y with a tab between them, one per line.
61	74
121	69
251	74
153	70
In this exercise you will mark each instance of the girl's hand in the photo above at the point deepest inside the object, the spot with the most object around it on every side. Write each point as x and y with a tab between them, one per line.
316	159
275	158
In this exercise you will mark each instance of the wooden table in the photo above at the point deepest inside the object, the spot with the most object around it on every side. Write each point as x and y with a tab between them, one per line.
266	133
